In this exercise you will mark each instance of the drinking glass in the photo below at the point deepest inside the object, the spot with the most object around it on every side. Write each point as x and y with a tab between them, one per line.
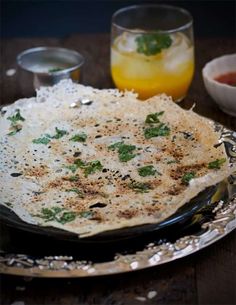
152	50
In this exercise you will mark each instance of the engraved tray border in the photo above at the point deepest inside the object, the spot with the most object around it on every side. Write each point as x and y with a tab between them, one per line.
223	223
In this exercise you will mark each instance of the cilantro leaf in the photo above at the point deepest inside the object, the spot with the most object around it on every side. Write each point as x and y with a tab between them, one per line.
124	157
187	177
80	137
86	214
116	145
16	117
152	43
49	214
92	167
15	127
59	133
153	117
56	214
14	130
172	161
73	178
43	140
140	187
66	217
161	130
77	191
52	70
47	137
89	168
148	170
125	151
216	164
72	167
80	163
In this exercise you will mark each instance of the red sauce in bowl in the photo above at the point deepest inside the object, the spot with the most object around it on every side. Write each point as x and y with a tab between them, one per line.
227	78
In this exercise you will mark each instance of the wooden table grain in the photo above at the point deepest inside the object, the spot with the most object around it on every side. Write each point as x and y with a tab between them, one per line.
206	277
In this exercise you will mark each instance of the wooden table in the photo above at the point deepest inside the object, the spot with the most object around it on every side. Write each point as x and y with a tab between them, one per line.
207	277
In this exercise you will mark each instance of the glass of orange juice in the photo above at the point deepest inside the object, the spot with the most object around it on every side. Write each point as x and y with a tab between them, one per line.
152	50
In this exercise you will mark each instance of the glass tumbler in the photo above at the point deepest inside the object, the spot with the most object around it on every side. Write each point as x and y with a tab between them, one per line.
152	50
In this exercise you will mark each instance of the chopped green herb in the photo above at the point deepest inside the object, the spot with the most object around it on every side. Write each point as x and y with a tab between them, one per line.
49	214
161	130
59	133
55	69
125	148
140	187
72	167
15	129
9	204
77	191
153	117
80	137
148	170
73	178
16	117
216	164
56	214
187	177
42	140
86	214
125	151
172	161
92	167
89	168
126	157
66	217
47	137
116	145
152	43
80	163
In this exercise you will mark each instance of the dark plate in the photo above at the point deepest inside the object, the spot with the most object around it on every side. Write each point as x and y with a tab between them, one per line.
179	218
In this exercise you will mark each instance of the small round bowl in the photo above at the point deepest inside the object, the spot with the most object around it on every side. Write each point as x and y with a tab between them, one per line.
49	65
223	94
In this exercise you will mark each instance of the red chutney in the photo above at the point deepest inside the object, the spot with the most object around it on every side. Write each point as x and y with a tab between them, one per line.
227	78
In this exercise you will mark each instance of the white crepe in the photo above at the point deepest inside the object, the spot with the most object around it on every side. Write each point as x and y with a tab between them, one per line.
110	200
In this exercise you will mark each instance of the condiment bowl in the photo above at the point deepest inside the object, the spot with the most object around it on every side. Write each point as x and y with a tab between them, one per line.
223	94
49	65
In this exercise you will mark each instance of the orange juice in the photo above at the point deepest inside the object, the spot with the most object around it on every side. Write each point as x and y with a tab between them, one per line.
170	71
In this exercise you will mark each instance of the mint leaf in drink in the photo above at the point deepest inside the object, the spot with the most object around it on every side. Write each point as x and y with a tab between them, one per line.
152	43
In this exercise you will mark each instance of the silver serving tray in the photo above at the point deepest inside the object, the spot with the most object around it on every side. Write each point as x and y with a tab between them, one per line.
220	221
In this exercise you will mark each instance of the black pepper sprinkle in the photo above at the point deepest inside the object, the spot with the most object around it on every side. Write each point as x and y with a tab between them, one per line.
16	174
98	205
125	177
77	154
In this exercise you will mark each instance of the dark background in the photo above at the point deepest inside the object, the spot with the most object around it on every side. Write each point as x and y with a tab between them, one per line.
59	18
